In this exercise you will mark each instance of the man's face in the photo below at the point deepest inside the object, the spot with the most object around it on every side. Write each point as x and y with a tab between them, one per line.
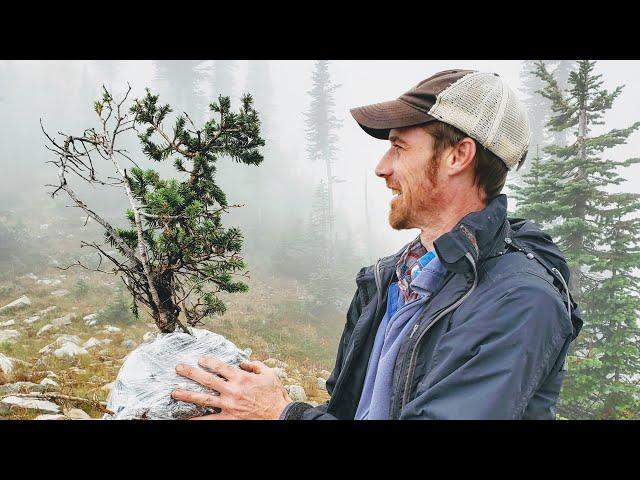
412	175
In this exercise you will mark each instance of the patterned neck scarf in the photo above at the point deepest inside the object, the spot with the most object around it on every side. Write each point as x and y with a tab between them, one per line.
410	264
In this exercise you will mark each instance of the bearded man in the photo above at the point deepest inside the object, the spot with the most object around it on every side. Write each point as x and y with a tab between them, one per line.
471	320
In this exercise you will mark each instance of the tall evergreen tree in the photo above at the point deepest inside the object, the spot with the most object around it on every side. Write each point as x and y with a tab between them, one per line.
570	194
538	108
321	124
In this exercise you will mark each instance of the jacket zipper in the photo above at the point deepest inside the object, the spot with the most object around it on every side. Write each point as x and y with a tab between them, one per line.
412	361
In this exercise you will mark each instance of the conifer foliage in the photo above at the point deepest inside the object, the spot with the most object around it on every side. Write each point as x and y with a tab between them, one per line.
176	254
570	193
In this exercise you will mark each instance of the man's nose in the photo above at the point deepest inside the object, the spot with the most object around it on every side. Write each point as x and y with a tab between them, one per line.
383	169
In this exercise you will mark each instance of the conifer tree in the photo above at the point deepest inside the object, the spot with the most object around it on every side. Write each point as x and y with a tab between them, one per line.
176	255
321	124
537	106
570	194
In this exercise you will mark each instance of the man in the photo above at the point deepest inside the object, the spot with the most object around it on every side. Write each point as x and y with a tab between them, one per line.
472	319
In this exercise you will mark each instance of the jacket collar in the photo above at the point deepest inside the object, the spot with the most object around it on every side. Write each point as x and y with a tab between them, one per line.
477	233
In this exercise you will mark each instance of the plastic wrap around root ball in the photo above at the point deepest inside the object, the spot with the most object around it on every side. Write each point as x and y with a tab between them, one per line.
147	377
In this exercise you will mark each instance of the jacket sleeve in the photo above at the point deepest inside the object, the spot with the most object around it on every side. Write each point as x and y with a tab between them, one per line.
495	354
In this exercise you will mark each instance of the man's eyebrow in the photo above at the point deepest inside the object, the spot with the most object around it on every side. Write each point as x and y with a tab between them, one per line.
393	138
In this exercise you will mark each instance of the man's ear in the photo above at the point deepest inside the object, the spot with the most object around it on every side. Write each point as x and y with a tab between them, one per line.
461	157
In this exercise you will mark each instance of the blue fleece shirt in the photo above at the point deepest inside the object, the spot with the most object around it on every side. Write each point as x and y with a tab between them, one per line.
396	324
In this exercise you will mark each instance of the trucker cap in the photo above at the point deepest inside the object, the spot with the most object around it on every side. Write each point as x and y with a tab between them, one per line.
479	104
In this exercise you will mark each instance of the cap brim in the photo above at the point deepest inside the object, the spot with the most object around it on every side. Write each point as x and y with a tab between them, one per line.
379	118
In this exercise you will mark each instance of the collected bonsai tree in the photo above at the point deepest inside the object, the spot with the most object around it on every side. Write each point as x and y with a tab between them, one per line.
176	255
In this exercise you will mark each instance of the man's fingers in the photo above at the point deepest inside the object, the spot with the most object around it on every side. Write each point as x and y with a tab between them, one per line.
219	367
203	377
202	399
255	366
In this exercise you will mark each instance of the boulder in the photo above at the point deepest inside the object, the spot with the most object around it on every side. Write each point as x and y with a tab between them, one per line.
6	364
21	302
8	323
60	293
69	350
30	403
296	392
31	320
8	335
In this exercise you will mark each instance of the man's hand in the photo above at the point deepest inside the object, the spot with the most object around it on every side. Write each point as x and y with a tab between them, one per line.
251	392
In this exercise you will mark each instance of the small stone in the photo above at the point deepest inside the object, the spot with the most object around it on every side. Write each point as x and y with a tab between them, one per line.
30	403
47	349
48	416
6	364
60	293
62	339
62	321
296	392
106	341
282	374
44	329
31	320
77	414
8	323
47	310
8	335
91	319
69	350
91	343
111	329
273	362
322	383
49	383
51	374
20	387
21	302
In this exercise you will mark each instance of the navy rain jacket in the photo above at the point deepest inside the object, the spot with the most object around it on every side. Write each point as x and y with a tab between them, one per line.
491	343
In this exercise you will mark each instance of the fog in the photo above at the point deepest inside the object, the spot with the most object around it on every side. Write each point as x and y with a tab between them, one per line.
62	94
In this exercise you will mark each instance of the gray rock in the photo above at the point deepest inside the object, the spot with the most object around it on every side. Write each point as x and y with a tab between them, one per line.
296	392
8	323
21	387
49	384
30	403
48	416
44	329
60	293
91	319
91	343
21	302
6	364
31	320
77	414
273	362
69	350
62	321
111	329
322	383
62	339
47	349
47	310
8	335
